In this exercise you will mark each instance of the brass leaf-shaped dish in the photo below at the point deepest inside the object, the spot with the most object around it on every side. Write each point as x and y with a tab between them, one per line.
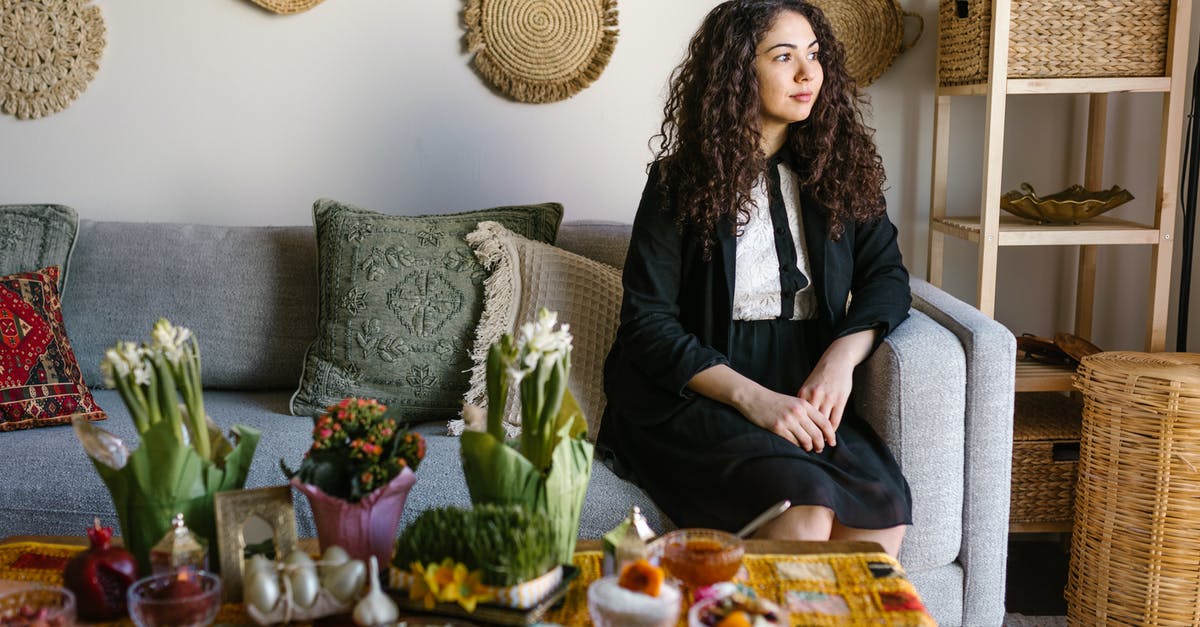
1070	206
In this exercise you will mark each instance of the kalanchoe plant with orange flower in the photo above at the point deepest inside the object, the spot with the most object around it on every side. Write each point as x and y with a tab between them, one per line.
358	446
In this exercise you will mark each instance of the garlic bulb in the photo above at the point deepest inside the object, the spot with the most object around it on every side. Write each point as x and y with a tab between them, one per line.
376	608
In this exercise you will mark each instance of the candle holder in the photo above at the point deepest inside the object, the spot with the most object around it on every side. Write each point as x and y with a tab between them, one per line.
185	597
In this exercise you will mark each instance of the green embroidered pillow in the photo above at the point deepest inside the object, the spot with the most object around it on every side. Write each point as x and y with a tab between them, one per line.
399	298
33	237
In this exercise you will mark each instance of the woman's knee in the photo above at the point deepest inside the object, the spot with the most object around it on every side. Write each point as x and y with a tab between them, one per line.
802	522
890	538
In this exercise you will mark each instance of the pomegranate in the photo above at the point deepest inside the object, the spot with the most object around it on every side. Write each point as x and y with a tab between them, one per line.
100	575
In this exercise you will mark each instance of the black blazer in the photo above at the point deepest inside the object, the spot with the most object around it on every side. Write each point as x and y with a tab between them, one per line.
676	313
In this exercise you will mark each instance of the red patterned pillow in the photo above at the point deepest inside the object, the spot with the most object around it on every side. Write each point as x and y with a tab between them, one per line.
40	382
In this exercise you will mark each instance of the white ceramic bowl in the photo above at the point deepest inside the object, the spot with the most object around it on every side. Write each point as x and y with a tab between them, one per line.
610	605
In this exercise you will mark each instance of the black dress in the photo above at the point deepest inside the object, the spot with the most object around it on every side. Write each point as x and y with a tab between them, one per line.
704	463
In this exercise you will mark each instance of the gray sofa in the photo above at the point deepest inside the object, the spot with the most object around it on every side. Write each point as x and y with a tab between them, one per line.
939	390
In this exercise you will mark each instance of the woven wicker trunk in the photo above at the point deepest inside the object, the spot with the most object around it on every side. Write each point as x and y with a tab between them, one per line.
1045	457
1048	39
1135	550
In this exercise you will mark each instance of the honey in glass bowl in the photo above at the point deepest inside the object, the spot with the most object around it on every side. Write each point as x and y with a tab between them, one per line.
701	557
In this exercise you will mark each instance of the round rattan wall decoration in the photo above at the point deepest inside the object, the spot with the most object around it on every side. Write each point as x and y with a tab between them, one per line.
287	7
872	32
541	50
49	52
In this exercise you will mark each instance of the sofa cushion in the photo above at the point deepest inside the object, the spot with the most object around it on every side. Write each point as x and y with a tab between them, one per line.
40	383
399	298
603	241
248	293
33	237
527	276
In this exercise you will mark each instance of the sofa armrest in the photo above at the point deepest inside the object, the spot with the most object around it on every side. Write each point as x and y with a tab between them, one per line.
990	351
912	390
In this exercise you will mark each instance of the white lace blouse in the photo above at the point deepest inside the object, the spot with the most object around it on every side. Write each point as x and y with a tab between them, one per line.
756	288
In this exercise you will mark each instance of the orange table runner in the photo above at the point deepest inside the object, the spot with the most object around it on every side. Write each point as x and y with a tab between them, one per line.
822	590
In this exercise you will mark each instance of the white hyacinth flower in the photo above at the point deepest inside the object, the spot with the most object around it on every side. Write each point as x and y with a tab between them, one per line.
539	341
169	340
106	372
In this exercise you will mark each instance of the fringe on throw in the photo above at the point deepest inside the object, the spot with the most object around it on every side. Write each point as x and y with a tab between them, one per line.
552	89
501	290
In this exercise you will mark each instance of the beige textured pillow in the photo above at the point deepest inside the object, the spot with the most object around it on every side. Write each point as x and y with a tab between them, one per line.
525	276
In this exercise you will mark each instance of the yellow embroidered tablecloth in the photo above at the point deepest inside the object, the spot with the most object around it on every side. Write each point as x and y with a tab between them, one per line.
821	590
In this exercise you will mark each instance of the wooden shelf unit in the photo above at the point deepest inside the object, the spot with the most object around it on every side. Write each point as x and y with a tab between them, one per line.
987	229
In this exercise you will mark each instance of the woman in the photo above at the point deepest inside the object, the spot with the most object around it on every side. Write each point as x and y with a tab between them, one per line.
729	381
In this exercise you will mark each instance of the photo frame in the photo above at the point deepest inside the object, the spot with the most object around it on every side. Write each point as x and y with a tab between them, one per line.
236	508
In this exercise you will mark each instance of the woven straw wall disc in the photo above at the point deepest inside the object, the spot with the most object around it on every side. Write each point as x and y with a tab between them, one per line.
49	52
287	7
541	50
872	32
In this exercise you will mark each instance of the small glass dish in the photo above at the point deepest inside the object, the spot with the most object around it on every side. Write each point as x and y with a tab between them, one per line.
610	605
36	604
182	598
1070	206
699	557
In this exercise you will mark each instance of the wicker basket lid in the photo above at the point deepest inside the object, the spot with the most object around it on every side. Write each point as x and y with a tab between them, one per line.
285	7
872	32
541	50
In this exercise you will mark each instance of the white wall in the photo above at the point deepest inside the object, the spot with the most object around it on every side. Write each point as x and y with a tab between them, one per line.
219	112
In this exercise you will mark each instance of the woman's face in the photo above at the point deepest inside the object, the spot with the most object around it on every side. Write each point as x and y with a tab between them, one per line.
789	72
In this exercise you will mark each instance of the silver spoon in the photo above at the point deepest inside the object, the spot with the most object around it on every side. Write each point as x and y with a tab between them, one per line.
764	518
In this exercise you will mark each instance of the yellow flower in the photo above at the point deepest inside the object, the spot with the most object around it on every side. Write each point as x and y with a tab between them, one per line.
449	582
470	588
421	586
443	576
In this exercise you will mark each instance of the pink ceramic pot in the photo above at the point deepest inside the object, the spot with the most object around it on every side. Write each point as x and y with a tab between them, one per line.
365	528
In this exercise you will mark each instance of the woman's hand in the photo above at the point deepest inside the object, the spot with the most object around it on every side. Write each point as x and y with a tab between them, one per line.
792	418
828	385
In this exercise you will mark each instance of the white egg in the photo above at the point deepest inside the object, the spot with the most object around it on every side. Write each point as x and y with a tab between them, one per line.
346	581
298	558
335	555
304	586
261	590
258	563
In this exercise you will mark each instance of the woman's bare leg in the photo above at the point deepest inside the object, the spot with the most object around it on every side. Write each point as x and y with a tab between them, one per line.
802	522
889	538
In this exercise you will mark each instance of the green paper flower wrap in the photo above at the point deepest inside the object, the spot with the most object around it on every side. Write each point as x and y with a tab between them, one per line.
164	477
183	460
548	468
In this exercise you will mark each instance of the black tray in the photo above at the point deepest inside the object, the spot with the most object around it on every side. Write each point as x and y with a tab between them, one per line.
488	613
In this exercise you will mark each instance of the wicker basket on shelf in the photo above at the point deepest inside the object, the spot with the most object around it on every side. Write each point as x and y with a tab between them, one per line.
1045	456
1055	39
1134	546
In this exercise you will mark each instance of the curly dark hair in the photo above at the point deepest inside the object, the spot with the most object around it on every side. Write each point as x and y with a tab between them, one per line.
709	140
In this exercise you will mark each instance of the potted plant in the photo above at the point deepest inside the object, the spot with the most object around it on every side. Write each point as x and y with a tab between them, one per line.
183	460
357	475
548	467
504	555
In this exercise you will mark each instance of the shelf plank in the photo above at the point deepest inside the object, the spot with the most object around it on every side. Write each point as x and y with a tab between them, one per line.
1015	231
1040	527
1152	84
1037	377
